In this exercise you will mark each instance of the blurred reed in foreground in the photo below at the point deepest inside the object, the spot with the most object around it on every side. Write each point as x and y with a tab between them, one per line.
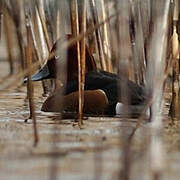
136	39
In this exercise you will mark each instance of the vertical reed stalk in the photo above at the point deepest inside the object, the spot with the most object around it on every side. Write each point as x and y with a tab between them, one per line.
9	41
43	22
123	49
175	104
155	73
35	44
44	47
83	51
41	36
123	54
0	20
175	111
138	48
61	78
97	32
30	84
106	45
75	31
58	32
21	30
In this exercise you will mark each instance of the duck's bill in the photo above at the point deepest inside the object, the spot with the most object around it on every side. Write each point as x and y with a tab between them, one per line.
40	75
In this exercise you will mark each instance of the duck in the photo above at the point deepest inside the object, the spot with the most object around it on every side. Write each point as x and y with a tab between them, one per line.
102	95
102	90
110	84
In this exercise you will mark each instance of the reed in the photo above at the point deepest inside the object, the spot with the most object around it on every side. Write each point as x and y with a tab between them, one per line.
9	43
97	33
30	84
0	21
175	104
105	40
75	32
82	54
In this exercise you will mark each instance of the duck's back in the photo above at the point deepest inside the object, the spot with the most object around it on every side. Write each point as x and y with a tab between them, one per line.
111	84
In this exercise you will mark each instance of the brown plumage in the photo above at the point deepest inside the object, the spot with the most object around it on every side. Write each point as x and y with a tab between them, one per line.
95	102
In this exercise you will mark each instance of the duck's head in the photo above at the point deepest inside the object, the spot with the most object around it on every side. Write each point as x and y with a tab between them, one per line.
49	69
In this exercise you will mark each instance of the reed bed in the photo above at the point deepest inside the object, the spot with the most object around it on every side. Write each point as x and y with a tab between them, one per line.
138	39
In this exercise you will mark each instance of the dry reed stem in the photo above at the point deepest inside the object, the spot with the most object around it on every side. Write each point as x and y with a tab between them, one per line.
139	50
106	44
97	33
30	85
123	53
83	52
44	27
19	22
155	80
38	55
170	64
175	111
156	167
149	102
175	103
0	21
9	43
75	31
44	43
35	45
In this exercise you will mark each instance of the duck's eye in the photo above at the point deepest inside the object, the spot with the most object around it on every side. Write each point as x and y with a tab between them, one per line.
56	57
